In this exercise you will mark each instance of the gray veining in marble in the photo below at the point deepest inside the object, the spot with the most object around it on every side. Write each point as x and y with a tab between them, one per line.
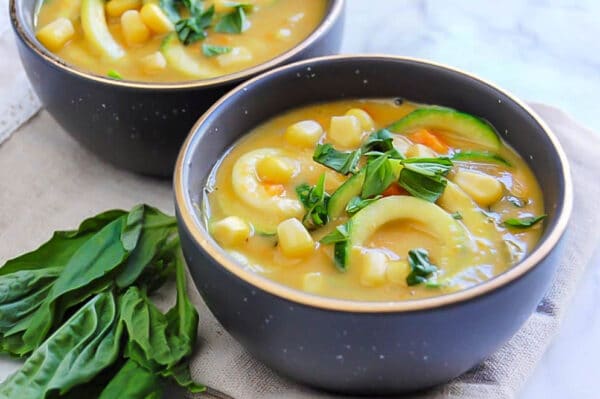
541	50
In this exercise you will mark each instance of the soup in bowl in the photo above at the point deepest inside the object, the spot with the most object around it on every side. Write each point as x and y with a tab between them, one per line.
374	224
128	79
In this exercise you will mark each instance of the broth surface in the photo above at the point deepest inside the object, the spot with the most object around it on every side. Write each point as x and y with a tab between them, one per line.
488	249
273	27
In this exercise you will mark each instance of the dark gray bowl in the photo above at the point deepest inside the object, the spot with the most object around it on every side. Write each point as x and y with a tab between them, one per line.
133	125
364	347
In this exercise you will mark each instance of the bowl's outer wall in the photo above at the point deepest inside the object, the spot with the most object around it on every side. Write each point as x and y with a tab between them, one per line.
133	128
368	353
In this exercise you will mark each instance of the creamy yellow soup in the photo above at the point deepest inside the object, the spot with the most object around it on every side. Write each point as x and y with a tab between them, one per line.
412	236
169	41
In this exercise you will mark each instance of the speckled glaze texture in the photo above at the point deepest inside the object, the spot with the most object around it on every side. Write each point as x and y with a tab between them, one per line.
353	348
135	127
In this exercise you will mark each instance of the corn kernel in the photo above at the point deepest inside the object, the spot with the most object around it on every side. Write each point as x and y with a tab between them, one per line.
293	238
484	189
56	34
237	55
345	131
153	63
366	122
373	268
420	151
304	133
230	231
156	19
115	8
397	271
134	29
272	169
312	282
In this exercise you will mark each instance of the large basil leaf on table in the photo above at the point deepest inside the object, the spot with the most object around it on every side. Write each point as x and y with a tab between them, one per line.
25	281
79	350
134	382
86	272
162	342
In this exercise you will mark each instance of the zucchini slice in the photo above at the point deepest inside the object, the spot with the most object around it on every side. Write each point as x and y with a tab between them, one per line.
95	29
456	127
480	156
340	198
437	221
181	61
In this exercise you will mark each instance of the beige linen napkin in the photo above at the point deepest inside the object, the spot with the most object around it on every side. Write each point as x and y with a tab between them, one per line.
48	182
17	100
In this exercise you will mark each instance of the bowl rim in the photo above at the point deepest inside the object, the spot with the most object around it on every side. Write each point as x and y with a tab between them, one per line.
332	15
185	211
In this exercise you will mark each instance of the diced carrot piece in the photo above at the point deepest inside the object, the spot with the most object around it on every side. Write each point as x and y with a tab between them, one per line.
274	189
425	137
394	189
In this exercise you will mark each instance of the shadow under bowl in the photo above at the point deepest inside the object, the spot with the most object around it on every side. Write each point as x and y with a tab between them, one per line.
368	347
139	126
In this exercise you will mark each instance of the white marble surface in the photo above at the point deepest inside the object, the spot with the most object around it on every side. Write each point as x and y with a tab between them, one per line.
541	50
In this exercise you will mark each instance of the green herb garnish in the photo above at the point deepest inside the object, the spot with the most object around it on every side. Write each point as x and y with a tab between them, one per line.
340	161
357	203
420	266
524	222
379	175
314	199
193	29
235	22
380	141
114	74
210	50
425	177
456	215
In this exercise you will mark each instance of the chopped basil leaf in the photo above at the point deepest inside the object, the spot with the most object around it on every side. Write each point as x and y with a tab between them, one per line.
433	167
211	50
114	74
234	22
483	156
429	188
342	162
457	215
420	266
340	234
190	30
523	223
357	203
424	177
378	176
380	140
314	199
518	202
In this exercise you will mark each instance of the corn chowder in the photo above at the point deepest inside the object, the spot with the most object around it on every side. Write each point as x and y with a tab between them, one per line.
173	40
375	200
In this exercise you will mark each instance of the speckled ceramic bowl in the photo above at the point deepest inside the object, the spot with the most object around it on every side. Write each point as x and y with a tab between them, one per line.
368	347
133	125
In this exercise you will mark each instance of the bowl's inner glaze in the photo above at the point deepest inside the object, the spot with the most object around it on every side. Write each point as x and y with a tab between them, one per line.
374	77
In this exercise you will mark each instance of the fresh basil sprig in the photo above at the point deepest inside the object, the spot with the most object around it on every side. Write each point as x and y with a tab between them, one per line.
357	203
420	266
80	307
315	200
210	50
192	29
340	161
236	21
425	177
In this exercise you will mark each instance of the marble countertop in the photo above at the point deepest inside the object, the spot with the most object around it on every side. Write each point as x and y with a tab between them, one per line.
540	50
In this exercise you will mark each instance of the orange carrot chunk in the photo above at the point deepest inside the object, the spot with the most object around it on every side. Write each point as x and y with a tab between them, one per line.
394	189
425	137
